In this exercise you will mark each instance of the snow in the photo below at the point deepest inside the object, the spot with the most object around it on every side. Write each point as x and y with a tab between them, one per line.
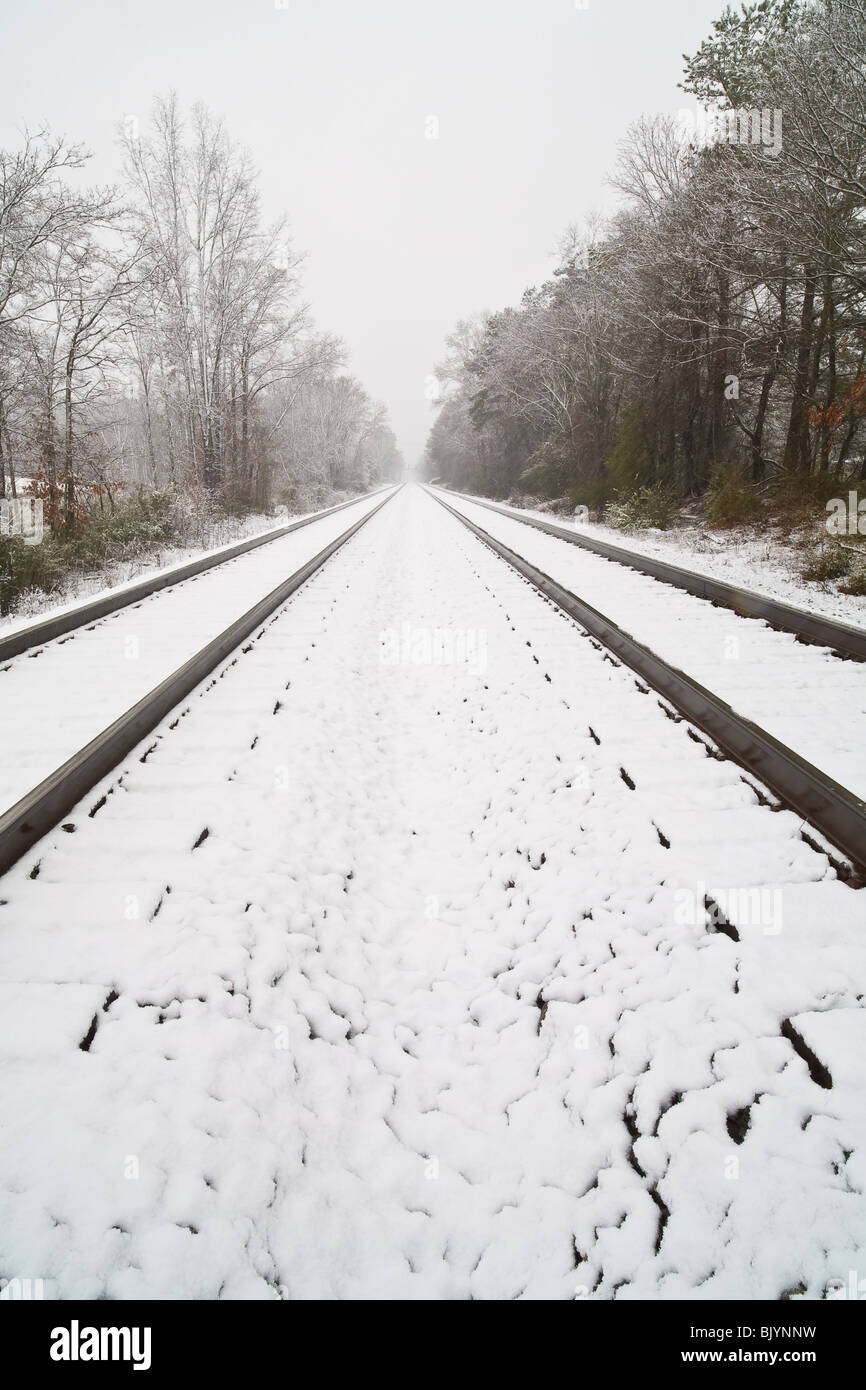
36	608
768	676
838	1038
60	696
764	564
423	1016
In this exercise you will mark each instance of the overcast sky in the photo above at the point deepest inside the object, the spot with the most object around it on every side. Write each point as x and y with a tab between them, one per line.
405	234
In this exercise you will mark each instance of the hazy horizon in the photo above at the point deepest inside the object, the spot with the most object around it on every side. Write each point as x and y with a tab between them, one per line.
405	234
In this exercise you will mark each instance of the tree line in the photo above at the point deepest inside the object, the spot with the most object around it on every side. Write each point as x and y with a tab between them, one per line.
154	336
708	338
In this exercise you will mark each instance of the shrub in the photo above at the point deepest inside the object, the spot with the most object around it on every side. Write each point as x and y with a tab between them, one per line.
144	522
134	528
307	496
827	563
29	568
594	492
800	500
549	471
648	506
855	585
732	498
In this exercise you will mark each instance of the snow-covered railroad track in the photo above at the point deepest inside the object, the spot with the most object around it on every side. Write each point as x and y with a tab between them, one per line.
802	695
42	808
426	957
38	634
842	638
57	698
824	803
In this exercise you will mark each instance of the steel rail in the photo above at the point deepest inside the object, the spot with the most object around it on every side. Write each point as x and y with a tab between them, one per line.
45	806
837	813
24	639
849	641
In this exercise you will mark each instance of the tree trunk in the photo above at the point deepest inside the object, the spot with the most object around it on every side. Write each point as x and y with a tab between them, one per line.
68	453
795	457
245	422
718	370
148	428
828	334
51	464
757	445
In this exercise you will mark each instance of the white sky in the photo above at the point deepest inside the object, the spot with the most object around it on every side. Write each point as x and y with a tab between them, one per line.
405	234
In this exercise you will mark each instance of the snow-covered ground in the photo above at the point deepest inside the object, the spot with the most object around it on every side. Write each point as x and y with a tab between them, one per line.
54	699
36	607
384	977
765	564
803	695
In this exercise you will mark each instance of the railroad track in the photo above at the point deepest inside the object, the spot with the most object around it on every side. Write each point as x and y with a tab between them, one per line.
834	811
369	923
809	627
23	824
37	634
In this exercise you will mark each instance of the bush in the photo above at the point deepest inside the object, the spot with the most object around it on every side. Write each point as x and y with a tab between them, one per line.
594	492
308	496
549	471
648	506
800	501
134	529
732	498
29	569
828	562
855	585
144	522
